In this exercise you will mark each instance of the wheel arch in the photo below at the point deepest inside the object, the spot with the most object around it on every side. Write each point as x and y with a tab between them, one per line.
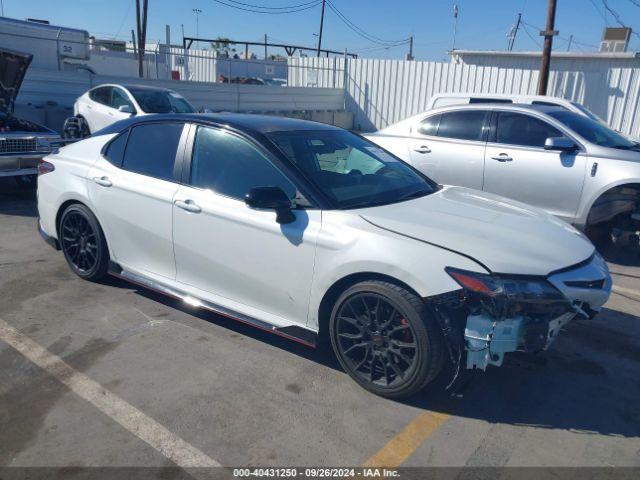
74	201
333	292
610	190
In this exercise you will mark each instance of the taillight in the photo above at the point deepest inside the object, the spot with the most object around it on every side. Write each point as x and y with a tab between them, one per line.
45	167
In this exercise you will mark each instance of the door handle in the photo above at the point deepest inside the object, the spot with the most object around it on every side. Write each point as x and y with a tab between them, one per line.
188	205
102	181
503	157
423	149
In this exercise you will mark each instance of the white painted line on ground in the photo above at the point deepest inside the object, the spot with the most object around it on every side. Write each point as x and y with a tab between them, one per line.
626	291
146	428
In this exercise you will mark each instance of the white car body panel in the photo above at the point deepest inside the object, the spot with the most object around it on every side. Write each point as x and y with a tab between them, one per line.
141	239
268	267
240	260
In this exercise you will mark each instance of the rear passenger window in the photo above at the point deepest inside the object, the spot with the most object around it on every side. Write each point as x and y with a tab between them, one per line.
115	150
429	126
462	125
101	95
151	149
524	130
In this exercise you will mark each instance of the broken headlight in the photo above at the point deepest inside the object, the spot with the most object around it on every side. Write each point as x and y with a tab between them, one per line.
505	296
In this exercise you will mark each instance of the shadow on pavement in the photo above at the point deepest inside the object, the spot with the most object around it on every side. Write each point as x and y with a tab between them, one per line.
15	201
588	382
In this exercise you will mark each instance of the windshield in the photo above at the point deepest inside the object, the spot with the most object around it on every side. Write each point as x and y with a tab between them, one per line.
161	101
351	171
593	131
588	113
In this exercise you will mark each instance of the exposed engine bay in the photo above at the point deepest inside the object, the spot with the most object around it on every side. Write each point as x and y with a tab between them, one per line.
493	315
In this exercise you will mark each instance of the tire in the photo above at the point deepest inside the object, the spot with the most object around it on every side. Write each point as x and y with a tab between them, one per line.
85	131
372	344
83	243
27	182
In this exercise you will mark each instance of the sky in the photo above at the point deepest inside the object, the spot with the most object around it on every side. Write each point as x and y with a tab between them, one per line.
481	24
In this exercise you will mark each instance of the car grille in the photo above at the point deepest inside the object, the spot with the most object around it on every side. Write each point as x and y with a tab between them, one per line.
15	145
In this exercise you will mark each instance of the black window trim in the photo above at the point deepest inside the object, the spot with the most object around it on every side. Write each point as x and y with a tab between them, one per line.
179	161
282	166
493	132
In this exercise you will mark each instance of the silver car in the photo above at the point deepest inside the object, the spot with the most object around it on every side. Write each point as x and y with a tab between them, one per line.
565	163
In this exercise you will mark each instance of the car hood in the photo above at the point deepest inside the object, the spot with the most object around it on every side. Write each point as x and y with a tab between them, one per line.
13	66
503	235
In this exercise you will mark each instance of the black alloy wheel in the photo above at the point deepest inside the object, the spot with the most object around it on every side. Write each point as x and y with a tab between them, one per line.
384	339
83	243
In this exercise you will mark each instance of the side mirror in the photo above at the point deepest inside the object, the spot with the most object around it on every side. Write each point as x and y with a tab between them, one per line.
563	144
271	198
125	109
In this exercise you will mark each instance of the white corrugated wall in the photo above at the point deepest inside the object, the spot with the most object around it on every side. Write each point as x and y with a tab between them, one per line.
382	92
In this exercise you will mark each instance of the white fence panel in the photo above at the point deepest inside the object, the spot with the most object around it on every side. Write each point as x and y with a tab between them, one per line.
42	87
382	92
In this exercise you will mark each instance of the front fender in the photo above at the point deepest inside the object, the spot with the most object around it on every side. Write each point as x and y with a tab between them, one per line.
348	245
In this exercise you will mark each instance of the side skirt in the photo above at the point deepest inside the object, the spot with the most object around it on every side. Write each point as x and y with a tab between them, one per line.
292	332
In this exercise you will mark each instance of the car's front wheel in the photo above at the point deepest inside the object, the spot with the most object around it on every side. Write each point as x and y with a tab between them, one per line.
83	243
385	338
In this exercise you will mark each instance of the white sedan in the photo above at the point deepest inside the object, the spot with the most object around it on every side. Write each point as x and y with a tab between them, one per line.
106	104
311	232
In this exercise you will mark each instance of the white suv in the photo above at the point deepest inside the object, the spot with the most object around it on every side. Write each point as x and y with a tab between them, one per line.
105	104
448	99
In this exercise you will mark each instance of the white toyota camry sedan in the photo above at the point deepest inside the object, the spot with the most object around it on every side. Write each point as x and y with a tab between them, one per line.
312	232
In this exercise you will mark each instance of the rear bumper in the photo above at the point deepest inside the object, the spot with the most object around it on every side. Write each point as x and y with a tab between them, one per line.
14	165
52	242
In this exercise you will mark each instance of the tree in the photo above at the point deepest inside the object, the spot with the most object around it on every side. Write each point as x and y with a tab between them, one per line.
222	47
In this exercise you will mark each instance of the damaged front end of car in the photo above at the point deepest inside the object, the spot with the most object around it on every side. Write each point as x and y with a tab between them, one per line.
492	315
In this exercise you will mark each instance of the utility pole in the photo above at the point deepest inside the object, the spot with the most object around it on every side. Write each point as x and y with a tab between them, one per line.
548	35
410	56
320	33
514	33
197	12
265	46
570	42
455	26
141	24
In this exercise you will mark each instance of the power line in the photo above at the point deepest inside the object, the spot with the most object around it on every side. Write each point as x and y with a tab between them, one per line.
533	39
362	33
617	18
267	12
124	19
273	8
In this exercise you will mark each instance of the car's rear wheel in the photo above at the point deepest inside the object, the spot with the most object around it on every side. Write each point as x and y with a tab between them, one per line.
83	243
385	339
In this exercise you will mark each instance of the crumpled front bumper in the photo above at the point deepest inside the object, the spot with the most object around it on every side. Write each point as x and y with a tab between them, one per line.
587	286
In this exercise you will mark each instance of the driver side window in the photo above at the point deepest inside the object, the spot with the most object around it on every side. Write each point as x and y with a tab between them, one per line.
118	99
231	166
523	130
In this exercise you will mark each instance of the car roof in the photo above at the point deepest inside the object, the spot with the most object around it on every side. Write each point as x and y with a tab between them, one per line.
498	105
129	86
249	123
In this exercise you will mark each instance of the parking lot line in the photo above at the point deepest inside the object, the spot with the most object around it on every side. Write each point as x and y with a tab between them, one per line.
147	429
402	446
